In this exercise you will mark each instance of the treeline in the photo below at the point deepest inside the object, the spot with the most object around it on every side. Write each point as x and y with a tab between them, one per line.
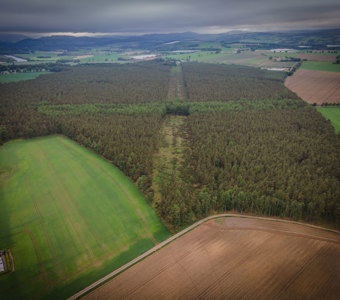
328	104
112	83
175	107
109	109
213	82
52	67
277	162
129	142
24	122
106	109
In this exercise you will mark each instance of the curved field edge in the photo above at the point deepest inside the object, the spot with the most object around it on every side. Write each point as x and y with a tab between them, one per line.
68	216
115	273
331	113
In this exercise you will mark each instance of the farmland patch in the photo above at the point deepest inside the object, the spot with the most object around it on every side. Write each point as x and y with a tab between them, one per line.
315	86
236	258
317	57
320	66
68	216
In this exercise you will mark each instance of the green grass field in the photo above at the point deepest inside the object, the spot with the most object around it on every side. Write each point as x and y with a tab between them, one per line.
333	114
68	216
20	76
112	57
320	66
201	56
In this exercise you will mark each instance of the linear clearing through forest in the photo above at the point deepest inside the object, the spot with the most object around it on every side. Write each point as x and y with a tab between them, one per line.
169	158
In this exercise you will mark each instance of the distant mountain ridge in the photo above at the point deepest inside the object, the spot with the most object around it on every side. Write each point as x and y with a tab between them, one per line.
18	43
12	38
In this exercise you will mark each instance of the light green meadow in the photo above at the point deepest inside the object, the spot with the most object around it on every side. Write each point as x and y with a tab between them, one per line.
69	218
332	113
14	77
320	66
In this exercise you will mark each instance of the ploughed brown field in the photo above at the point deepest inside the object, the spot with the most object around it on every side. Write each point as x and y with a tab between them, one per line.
236	258
315	86
317	57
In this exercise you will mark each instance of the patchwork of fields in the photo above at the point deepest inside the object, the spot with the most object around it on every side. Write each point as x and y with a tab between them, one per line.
68	216
236	258
73	57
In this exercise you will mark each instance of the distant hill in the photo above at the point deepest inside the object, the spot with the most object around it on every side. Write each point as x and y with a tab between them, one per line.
11	38
316	39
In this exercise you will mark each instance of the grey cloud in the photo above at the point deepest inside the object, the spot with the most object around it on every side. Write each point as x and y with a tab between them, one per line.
164	15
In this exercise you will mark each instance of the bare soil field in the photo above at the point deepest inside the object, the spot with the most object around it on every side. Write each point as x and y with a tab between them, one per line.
236	258
317	57
315	86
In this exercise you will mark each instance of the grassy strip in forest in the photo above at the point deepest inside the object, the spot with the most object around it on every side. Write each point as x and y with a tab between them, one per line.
79	218
331	113
168	162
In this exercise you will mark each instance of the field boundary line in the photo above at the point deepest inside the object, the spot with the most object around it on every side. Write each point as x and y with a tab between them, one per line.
174	237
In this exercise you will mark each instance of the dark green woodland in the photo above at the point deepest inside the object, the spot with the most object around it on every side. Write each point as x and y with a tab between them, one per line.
250	144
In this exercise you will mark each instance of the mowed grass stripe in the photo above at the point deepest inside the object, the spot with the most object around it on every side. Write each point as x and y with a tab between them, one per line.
68	216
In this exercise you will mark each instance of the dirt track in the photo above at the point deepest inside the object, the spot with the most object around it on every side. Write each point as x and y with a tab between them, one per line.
236	258
315	86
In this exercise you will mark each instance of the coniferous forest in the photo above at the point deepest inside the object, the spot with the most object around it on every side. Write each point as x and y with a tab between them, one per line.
250	144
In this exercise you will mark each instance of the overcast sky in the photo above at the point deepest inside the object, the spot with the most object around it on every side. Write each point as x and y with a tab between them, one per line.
143	16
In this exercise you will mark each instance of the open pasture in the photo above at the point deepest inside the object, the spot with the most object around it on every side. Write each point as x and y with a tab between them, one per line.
69	218
332	113
14	77
320	66
236	258
199	56
315	86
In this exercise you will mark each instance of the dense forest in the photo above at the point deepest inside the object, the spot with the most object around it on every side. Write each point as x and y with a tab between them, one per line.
114	83
251	145
213	82
278	162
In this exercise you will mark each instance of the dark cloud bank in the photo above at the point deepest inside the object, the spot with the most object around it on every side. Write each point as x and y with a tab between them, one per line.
208	16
